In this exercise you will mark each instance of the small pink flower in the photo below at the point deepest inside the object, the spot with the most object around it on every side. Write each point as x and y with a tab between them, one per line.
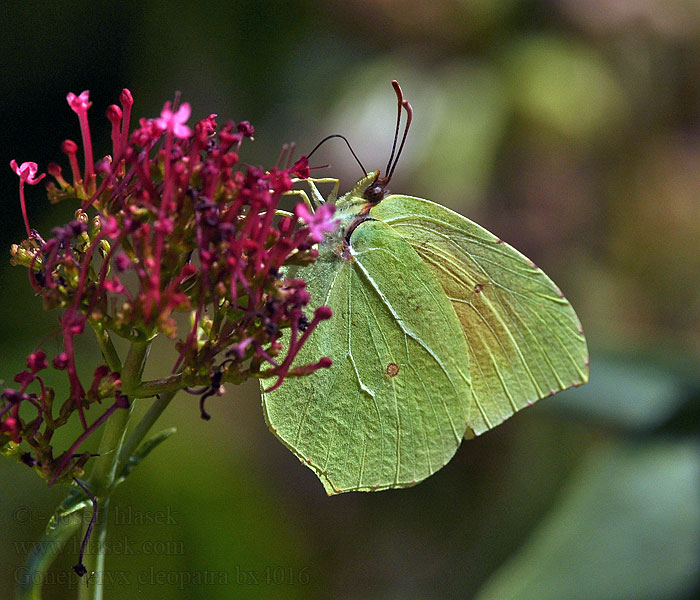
126	98
114	114
79	103
10	426
164	226
317	222
110	226
114	285
60	361
301	168
69	147
27	171
121	400
246	129
280	182
322	313
122	262
169	191
127	101
37	361
149	131
174	122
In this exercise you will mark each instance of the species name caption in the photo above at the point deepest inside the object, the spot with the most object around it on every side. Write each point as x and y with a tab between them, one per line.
277	575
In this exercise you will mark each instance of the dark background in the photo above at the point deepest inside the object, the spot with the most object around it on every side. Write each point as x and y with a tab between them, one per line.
570	128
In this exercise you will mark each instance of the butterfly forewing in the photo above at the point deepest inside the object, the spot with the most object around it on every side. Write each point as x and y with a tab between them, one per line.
394	406
525	341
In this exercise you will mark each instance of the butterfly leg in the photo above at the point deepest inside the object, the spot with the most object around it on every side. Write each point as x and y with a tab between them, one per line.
302	194
334	192
317	199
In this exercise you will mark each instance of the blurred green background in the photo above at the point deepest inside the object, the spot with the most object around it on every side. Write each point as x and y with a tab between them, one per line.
570	128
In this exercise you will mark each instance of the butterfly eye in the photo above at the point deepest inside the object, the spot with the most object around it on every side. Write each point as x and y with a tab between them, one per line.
374	193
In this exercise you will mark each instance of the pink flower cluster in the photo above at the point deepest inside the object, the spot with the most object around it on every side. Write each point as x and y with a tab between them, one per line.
166	224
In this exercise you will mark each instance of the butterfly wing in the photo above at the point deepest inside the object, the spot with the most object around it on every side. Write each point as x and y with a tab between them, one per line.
393	408
525	340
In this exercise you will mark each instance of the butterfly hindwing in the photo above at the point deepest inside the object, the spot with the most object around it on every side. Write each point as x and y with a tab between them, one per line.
394	406
525	341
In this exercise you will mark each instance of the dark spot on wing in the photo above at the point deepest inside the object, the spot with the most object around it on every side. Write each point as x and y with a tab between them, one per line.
478	287
392	369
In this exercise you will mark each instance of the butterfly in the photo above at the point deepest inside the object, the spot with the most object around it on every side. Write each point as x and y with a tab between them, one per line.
440	331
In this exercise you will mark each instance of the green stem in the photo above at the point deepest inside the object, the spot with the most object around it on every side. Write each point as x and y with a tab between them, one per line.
104	472
141	430
166	385
174	383
105	466
101	542
90	587
115	450
108	350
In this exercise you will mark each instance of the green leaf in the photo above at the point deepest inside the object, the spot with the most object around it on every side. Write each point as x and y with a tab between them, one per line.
75	500
628	526
143	451
51	544
525	341
58	531
394	407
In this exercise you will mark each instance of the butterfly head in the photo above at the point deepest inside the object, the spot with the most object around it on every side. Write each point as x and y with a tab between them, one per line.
371	189
374	193
356	201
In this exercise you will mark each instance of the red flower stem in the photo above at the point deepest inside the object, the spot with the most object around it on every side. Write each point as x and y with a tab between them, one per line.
103	272
164	202
191	338
295	346
87	143
85	269
71	149
68	455
24	208
76	389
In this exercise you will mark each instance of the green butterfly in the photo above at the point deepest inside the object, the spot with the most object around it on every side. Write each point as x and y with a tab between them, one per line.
440	331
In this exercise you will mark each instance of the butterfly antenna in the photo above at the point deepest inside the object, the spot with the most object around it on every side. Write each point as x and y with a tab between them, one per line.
405	105
342	137
398	123
376	191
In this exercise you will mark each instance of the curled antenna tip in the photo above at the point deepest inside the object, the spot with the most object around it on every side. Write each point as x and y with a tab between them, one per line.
395	154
